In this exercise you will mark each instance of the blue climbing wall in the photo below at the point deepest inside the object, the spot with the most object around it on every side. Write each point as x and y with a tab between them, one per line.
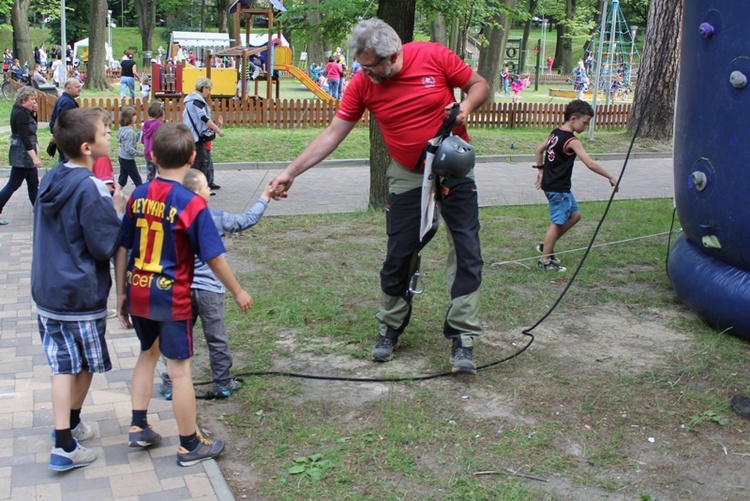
709	265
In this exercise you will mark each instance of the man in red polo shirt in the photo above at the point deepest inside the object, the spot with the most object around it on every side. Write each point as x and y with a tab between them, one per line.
410	89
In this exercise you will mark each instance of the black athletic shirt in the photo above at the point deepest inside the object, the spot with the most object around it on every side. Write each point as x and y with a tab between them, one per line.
558	165
126	68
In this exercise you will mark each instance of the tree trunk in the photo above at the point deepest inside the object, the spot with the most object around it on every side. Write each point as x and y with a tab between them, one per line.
564	50
489	62
146	14
21	33
96	78
400	15
315	45
656	88
203	16
438	31
453	39
222	9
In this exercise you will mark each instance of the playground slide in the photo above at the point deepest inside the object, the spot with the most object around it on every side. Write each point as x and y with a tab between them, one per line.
306	80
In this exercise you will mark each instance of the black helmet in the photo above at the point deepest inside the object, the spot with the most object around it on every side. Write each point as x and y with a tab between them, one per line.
454	158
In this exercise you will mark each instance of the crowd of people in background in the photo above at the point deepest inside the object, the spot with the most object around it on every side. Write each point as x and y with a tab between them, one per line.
332	76
45	67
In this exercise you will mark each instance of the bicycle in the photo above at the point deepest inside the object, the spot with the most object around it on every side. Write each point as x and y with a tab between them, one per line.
8	89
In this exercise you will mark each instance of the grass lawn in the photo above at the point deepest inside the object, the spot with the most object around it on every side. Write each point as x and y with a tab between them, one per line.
623	395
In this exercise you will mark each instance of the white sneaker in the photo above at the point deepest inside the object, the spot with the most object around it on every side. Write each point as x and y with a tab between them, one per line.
59	460
81	432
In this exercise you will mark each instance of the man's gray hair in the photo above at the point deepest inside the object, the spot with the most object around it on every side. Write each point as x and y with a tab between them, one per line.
374	35
24	94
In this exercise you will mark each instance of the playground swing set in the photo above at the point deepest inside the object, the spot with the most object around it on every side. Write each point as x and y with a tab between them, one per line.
170	80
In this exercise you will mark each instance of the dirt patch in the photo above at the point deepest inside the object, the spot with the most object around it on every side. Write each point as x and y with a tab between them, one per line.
588	342
610	338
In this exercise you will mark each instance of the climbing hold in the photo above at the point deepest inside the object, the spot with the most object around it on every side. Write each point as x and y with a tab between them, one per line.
738	79
699	180
706	30
711	242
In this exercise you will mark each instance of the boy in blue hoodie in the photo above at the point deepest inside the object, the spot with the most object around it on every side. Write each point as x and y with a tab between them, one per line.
76	232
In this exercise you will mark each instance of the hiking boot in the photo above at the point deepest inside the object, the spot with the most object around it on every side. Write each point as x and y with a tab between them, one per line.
741	405
81	433
59	460
206	449
383	350
165	388
140	437
553	258
462	358
550	266
224	390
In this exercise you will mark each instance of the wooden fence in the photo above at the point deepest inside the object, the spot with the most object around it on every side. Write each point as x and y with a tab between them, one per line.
288	114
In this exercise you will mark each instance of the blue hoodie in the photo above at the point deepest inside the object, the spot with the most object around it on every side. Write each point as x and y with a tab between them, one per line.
203	277
76	231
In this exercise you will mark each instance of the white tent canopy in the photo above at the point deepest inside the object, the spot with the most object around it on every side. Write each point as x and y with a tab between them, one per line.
85	44
191	39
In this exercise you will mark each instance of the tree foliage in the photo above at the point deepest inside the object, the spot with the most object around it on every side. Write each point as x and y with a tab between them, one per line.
635	11
76	26
5	8
329	20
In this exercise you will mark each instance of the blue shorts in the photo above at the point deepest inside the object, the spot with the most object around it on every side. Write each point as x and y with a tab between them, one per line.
75	346
561	206
175	338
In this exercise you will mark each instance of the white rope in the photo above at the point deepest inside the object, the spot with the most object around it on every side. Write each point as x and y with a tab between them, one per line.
604	244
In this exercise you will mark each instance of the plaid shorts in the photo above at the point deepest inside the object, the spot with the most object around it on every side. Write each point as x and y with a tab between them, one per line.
75	346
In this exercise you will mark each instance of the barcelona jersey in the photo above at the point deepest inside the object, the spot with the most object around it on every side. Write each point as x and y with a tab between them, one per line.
165	227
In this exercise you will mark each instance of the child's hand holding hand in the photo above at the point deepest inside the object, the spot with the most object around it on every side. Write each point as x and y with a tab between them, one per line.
271	192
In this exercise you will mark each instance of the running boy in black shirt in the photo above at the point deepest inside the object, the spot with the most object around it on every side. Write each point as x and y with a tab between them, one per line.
554	160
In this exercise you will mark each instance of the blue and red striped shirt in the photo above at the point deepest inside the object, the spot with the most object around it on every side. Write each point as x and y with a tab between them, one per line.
165	227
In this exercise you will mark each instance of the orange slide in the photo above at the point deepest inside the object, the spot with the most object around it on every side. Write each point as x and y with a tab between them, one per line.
282	60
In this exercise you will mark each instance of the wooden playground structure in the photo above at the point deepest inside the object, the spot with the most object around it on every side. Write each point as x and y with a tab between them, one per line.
169	80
